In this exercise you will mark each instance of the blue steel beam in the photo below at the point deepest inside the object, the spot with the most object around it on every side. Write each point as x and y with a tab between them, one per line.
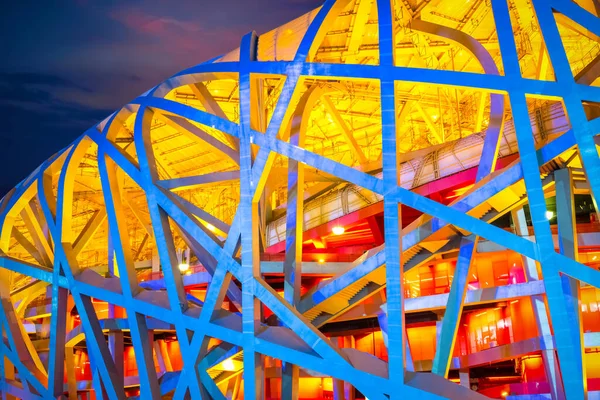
567	239
573	382
489	156
453	311
292	266
391	208
572	99
98	349
166	249
253	371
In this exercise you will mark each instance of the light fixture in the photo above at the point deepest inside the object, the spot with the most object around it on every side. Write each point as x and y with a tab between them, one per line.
321	260
228	365
184	266
549	215
504	394
338	230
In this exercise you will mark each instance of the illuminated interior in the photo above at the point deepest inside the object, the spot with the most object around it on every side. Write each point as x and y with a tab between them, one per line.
113	250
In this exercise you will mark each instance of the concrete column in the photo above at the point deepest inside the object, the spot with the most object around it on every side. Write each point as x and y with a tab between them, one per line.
567	240
292	266
382	319
448	328
71	380
549	358
9	374
159	357
233	387
155	262
116	348
348	388
165	355
465	378
338	390
99	391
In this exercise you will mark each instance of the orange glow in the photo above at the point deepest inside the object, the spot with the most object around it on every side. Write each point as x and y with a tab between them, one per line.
338	230
459	192
184	267
228	365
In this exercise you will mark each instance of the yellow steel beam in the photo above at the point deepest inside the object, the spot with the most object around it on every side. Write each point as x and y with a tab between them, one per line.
346	132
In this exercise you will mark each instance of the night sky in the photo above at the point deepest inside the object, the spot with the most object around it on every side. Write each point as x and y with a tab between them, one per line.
67	65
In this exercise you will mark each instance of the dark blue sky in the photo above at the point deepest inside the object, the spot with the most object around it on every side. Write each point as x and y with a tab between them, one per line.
68	64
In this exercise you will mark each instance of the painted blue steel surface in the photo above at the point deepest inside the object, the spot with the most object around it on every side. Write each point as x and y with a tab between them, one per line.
300	343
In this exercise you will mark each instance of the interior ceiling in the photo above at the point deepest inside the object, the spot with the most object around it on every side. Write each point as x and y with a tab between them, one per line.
428	115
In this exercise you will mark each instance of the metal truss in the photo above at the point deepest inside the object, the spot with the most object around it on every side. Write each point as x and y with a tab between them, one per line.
252	143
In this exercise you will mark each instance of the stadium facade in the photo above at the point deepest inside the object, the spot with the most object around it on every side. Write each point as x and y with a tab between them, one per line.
380	199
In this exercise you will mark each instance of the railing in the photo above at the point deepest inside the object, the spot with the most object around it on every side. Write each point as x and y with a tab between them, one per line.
586	59
148	275
21	281
327	257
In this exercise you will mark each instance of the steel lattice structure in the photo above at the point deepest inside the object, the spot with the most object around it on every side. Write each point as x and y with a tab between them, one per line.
124	154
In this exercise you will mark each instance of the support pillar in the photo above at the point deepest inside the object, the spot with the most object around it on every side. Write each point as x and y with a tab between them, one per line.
233	387
159	357
448	328
567	241
164	352
382	319
99	391
71	379
254	371
549	358
292	266
9	374
465	378
116	348
338	390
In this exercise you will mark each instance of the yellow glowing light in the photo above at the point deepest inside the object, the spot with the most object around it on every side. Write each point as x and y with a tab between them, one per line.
504	394
211	227
228	365
321	261
184	267
461	191
549	215
338	230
